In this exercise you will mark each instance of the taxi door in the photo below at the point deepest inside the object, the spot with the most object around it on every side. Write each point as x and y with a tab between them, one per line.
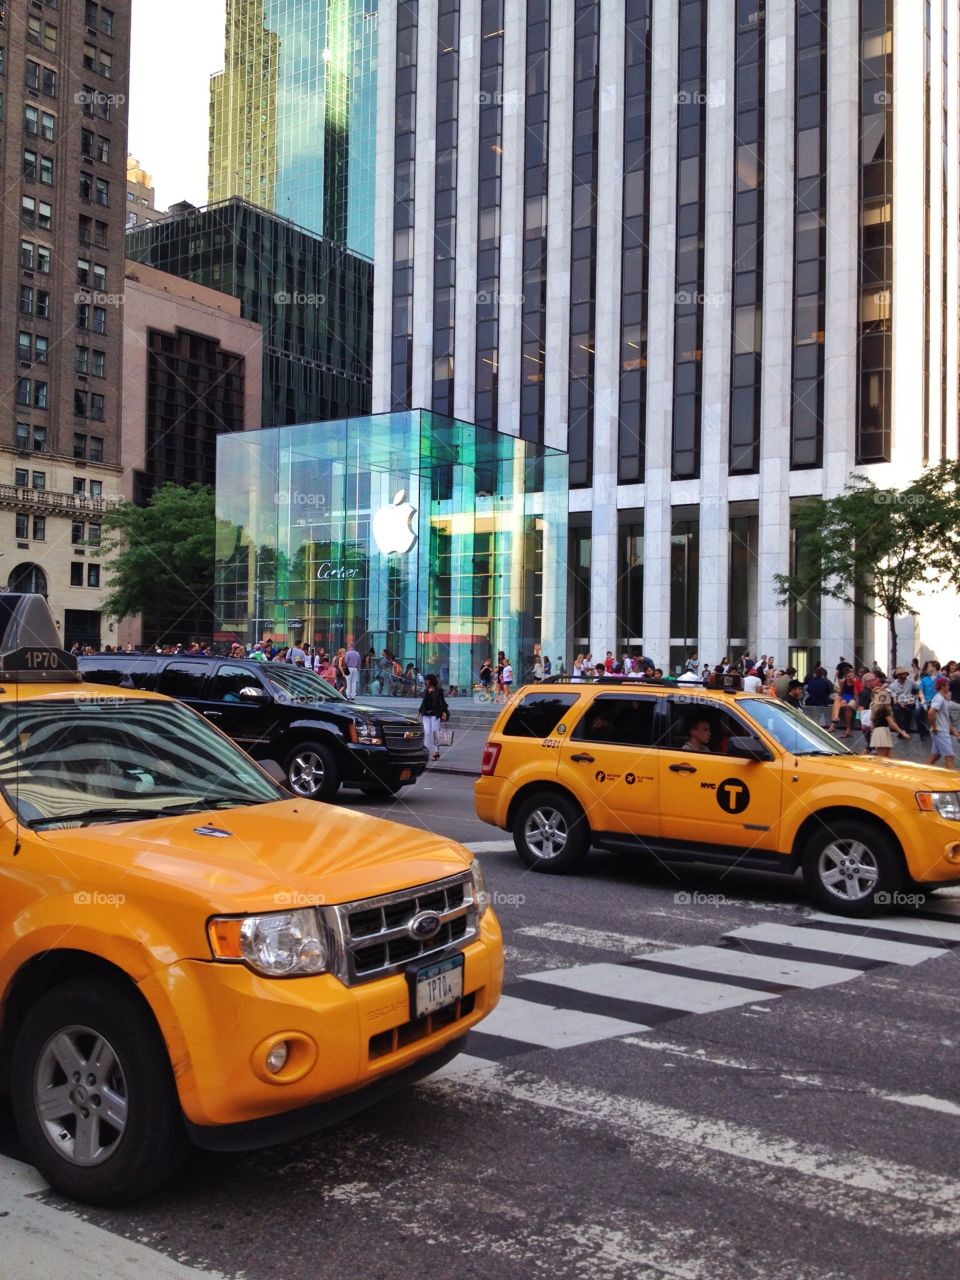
710	797
609	762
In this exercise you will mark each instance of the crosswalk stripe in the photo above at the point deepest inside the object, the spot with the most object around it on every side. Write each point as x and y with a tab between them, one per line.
600	939
551	1027
913	927
622	982
844	944
743	964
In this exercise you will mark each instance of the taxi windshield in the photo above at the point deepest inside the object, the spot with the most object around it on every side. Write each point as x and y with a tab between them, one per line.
296	683
69	762
794	731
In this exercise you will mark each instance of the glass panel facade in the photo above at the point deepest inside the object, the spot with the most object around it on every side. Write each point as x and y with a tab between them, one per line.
489	178
581	546
630	584
533	317
804	615
744	575
684	585
439	541
445	206
293	113
404	156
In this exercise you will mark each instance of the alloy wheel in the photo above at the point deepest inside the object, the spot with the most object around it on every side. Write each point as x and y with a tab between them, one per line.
848	870
80	1095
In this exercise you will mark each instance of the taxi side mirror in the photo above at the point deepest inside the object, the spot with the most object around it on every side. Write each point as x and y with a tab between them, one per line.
748	748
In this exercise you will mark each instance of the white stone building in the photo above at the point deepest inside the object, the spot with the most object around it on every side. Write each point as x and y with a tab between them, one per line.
707	247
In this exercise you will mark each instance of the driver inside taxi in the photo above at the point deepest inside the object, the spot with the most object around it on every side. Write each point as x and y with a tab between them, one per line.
698	737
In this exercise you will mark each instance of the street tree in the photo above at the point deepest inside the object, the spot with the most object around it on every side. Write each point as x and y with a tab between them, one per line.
879	548
162	562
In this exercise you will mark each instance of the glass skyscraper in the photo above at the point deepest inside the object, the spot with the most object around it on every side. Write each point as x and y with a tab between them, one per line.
293	114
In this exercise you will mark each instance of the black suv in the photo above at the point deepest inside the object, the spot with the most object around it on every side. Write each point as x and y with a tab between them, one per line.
280	712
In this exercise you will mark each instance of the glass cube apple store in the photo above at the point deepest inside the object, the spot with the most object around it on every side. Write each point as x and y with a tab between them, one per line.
439	541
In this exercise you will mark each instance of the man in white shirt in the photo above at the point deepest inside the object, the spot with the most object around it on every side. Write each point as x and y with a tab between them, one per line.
752	682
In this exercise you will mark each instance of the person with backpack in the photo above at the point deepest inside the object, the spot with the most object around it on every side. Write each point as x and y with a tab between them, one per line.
433	710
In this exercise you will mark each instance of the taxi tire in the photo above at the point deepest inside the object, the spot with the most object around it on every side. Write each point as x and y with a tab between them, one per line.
331	770
154	1143
574	824
878	842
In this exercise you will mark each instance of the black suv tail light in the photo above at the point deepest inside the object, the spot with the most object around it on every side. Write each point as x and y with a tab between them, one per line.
491	754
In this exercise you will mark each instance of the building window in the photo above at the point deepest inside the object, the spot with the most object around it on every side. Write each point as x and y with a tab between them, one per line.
22	526
90	57
46	171
85	229
103	150
40	390
76	573
76	533
27	255
106	64
635	262
23	435
29	168
102	191
533	307
34	31
96	488
583	241
688	299
86	186
24	389
93	575
41	348
39	528
21	477
24	345
44	259
31	121
96	407
79	486
42	310
579	586
83	271
810	236
79	445
80	403
875	348
684	586
99	364
630	584
489	178
445	205
748	158
100	234
99	320
28	210
744	566
87	137
82	361
401	354
96	448
99	277
26	300
44	215
39	480
106	22
94	534
83	315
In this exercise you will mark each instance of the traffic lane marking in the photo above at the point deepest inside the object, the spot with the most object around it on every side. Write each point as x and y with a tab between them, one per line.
844	944
622	982
550	1027
919	928
744	964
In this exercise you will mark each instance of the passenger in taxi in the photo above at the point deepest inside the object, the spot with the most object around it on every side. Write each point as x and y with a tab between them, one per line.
698	736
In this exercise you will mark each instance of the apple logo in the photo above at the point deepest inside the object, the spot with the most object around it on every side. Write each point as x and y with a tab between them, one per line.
392	529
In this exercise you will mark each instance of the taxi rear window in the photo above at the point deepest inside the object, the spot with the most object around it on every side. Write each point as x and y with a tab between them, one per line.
538	714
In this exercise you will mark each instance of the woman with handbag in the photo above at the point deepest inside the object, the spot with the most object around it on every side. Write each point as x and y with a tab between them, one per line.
433	710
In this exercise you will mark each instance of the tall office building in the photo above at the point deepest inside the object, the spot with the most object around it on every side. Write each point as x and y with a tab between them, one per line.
293	114
63	149
706	247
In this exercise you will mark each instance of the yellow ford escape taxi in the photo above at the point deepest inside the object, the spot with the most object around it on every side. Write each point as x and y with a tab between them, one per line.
712	776
186	952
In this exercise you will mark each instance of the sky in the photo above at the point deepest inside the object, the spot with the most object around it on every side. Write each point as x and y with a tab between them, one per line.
176	45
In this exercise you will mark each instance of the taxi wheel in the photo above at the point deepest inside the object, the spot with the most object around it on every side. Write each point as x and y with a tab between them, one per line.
312	771
550	833
93	1093
852	867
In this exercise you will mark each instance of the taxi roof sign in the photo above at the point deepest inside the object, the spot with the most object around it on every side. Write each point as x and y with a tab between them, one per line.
30	648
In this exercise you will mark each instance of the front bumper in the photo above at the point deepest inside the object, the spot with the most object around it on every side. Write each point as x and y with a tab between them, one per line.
220	1020
367	766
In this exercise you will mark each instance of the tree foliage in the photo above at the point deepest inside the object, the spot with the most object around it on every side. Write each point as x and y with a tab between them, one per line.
879	548
163	561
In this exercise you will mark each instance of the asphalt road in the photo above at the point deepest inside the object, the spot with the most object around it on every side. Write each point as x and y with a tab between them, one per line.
653	1098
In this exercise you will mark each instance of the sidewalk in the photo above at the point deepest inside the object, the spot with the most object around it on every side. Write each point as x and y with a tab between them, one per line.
471	722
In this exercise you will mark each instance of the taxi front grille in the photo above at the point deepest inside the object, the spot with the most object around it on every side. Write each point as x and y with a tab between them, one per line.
386	1042
374	933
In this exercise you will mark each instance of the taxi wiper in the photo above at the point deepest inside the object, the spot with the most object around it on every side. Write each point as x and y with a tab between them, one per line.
123	813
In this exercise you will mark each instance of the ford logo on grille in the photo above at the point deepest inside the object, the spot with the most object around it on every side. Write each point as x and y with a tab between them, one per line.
424	926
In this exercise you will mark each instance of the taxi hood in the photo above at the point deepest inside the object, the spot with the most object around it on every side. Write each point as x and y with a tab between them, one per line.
890	773
263	856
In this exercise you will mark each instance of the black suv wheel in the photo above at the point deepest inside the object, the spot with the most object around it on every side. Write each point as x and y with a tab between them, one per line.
312	771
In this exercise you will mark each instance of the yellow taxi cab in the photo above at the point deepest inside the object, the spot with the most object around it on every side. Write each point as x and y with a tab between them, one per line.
187	953
701	775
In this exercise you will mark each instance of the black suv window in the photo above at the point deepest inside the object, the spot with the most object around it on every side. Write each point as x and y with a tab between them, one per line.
182	679
129	673
619	719
228	682
538	714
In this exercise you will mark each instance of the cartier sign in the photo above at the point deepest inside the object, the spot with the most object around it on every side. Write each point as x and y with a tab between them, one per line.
340	572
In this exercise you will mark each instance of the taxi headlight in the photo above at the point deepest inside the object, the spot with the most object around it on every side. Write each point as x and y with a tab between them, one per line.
481	897
946	803
283	944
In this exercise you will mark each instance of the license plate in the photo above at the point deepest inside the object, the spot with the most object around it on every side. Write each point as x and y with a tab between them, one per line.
406	775
438	985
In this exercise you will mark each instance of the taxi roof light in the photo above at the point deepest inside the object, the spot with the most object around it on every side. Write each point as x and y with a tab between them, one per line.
30	648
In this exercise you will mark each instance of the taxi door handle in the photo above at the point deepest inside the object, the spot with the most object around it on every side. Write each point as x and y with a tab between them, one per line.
682	768
582	758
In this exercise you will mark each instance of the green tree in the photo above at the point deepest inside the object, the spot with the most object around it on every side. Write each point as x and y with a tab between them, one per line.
879	548
163	562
